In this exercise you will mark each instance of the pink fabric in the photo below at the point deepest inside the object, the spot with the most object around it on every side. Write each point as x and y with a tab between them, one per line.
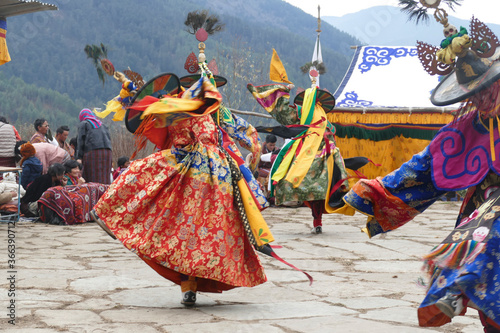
461	155
49	154
38	138
268	101
89	116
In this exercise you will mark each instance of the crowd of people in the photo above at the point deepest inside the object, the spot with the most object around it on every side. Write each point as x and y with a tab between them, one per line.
48	161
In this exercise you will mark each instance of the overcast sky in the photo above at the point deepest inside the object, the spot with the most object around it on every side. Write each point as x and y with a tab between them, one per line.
485	10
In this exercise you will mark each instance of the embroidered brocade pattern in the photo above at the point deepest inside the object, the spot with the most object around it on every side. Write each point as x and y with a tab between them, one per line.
176	207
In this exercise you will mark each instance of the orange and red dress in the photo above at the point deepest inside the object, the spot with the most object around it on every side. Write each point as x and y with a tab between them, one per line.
176	210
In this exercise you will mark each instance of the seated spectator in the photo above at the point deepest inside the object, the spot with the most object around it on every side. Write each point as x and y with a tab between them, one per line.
54	177
123	164
6	196
47	154
8	193
73	173
7	143
70	204
268	147
31	165
9	188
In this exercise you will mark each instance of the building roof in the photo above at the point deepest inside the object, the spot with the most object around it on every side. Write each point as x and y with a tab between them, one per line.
19	7
386	77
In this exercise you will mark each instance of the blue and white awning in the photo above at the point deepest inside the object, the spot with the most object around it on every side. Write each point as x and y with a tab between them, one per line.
386	77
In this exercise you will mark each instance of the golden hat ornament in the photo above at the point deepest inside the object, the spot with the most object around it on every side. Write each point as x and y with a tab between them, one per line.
467	59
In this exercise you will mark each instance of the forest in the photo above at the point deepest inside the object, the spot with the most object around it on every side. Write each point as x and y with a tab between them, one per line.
49	75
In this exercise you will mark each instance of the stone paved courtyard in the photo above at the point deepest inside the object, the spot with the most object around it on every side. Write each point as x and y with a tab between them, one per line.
77	279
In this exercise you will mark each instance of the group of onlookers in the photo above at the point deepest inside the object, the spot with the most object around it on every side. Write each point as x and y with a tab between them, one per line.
48	161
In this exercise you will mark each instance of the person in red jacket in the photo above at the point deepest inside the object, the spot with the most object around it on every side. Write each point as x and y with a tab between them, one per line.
264	167
123	164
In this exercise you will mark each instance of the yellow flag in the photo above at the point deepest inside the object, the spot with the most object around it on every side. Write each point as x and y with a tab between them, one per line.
4	51
277	71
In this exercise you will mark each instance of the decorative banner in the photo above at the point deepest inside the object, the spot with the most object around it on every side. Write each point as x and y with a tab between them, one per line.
386	76
277	71
4	51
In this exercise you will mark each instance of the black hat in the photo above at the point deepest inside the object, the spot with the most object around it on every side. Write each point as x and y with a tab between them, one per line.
324	97
471	75
159	86
188	80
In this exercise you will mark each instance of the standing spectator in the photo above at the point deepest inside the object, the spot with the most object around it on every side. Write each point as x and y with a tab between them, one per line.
94	148
123	164
7	144
61	136
73	145
264	167
41	129
5	121
47	154
32	167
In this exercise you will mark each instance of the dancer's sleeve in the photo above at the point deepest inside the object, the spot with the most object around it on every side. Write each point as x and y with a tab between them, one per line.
246	135
275	99
395	199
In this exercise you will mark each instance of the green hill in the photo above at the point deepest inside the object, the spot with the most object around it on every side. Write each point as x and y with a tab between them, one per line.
150	37
22	103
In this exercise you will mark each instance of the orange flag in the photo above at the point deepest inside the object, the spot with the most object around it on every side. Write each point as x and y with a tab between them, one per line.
277	71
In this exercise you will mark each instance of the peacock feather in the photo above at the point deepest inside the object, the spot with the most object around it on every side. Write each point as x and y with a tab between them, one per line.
96	53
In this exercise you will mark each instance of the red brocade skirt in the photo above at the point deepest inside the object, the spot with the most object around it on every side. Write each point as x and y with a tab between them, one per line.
175	210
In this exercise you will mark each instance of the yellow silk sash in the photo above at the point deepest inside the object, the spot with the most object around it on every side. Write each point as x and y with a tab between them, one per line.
257	223
310	143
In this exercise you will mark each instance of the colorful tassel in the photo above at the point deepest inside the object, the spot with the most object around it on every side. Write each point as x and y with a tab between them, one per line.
492	141
453	255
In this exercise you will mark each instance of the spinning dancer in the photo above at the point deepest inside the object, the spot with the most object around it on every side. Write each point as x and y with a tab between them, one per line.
191	210
464	268
309	168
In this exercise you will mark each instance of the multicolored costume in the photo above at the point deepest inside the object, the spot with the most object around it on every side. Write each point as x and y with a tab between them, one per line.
464	268
192	211
468	259
176	209
309	168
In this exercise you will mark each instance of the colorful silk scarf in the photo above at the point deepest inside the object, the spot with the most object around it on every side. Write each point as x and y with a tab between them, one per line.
87	115
296	171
